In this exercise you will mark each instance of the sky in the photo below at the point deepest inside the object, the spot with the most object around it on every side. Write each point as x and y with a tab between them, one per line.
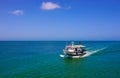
59	20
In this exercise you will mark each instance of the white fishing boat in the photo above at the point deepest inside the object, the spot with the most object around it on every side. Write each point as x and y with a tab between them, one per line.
74	51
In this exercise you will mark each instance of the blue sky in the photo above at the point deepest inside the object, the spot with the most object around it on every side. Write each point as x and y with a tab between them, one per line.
59	20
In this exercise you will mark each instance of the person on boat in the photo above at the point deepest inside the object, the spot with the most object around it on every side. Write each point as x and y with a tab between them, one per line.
76	51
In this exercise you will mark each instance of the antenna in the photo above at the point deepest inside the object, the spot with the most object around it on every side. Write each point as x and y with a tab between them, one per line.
72	43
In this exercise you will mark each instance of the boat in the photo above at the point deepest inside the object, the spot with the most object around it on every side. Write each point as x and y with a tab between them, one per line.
74	51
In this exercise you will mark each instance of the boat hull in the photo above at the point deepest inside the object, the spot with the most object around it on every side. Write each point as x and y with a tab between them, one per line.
69	56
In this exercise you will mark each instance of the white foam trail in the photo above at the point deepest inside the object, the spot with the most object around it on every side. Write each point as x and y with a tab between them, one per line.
93	52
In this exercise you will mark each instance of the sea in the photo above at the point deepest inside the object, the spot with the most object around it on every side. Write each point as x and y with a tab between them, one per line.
41	59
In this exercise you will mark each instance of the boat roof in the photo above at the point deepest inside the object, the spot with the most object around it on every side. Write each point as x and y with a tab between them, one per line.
75	46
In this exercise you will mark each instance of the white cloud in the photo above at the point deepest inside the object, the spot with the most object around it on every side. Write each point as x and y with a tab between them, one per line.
49	6
17	12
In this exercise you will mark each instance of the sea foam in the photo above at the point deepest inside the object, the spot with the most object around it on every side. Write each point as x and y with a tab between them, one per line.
93	52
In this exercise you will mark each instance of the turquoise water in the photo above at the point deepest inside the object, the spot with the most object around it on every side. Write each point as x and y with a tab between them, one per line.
40	59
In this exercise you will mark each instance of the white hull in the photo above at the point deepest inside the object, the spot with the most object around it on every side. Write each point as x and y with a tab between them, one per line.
68	56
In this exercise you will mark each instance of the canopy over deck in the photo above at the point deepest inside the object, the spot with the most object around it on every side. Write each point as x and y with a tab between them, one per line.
76	46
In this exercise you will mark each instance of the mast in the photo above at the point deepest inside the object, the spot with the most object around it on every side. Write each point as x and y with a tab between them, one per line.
80	42
72	43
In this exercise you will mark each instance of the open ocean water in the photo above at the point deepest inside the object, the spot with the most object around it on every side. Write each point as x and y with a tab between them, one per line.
40	59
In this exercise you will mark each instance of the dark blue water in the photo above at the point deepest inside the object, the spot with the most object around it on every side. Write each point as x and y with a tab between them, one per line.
40	59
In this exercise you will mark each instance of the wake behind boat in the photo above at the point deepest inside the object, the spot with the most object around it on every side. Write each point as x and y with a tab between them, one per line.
74	51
